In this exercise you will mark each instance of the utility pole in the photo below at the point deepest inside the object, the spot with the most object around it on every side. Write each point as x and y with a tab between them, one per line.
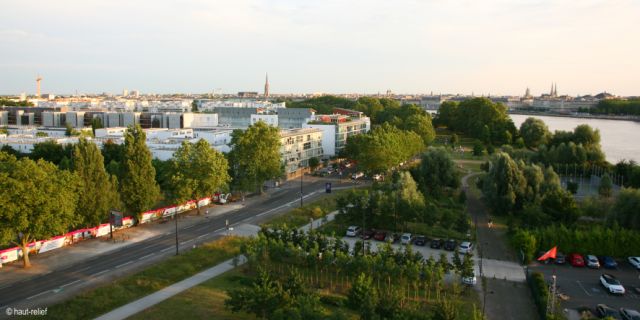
175	217
301	194
551	301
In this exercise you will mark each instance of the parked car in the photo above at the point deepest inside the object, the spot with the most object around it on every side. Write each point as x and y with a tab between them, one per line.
437	243
629	314
635	262
406	238
353	231
560	258
380	235
368	234
608	262
471	281
347	164
378	177
592	261
465	247
392	237
604	311
420	241
450	245
576	260
357	175
611	284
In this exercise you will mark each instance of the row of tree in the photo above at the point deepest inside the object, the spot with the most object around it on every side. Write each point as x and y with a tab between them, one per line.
386	283
617	107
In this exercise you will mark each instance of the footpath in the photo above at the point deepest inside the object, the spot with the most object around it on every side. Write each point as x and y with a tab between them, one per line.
504	293
168	292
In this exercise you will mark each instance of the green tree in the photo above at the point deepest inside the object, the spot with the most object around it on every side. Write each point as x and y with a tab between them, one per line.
534	132
50	151
504	185
9	150
525	241
605	188
38	201
421	124
437	171
98	191
138	188
560	206
199	171
626	208
363	297
314	162
262	299
96	123
466	266
478	148
255	156
454	140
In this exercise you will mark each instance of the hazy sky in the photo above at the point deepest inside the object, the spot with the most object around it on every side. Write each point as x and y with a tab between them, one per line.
340	46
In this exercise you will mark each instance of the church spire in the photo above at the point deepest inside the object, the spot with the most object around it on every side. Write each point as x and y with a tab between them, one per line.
266	86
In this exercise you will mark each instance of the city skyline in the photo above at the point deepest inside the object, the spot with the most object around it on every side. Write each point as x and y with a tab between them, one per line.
493	47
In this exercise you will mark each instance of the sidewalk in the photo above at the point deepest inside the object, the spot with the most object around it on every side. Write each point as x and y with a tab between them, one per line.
168	292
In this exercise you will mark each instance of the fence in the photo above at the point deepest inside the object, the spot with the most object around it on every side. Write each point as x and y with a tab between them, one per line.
41	246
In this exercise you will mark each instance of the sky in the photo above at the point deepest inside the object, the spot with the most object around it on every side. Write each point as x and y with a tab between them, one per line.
495	47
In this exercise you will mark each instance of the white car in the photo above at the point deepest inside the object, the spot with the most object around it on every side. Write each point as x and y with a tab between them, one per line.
406	238
635	262
353	231
465	247
471	281
592	261
611	283
377	177
357	175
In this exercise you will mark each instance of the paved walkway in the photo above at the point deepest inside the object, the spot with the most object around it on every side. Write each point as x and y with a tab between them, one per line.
174	289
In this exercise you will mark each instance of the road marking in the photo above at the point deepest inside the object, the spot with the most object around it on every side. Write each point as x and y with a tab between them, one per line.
218	230
168	233
7	286
149	255
124	264
583	289
70	283
101	272
39	294
191	226
185	242
202	236
166	249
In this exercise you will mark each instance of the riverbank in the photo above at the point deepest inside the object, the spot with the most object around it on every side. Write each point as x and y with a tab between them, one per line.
576	115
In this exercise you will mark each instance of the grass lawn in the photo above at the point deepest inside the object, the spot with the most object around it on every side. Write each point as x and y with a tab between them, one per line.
120	292
300	216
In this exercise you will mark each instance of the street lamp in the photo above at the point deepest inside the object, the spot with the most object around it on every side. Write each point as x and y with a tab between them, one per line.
175	217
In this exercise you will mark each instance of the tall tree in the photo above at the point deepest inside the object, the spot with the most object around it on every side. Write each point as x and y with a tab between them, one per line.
255	156
98	190
38	201
504	185
606	186
437	171
534	132
138	187
199	171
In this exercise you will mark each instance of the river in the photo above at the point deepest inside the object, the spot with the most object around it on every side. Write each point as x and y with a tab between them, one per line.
619	139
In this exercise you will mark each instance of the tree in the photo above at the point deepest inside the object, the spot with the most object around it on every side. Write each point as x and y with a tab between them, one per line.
70	131
363	297
466	266
38	201
560	206
9	150
98	190
194	106
626	208
198	171
262	299
255	156
138	188
437	171
112	153
504	185
50	151
478	148
408	199
525	241
314	162
96	123
534	132
421	124
606	186
454	140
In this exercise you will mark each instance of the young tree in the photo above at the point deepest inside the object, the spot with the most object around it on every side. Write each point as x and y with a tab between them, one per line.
478	148
255	156
314	163
363	297
198	171
262	299
96	123
38	201
98	191
454	140
138	188
606	186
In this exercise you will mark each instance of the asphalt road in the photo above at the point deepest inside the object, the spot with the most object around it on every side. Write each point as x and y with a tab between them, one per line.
43	290
583	287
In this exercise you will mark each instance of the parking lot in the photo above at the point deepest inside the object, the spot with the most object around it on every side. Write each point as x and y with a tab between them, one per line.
583	289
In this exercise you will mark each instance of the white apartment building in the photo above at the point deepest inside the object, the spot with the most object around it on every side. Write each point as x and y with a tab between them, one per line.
298	146
336	129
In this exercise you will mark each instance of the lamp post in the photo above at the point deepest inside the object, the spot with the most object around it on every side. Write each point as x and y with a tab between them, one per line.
301	193
175	217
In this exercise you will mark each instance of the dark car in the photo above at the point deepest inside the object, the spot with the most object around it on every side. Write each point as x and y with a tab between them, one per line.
420	241
629	314
368	234
450	245
604	311
608	262
436	243
560	258
380	235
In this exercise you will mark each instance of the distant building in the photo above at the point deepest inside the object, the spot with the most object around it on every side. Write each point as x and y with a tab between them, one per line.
247	94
